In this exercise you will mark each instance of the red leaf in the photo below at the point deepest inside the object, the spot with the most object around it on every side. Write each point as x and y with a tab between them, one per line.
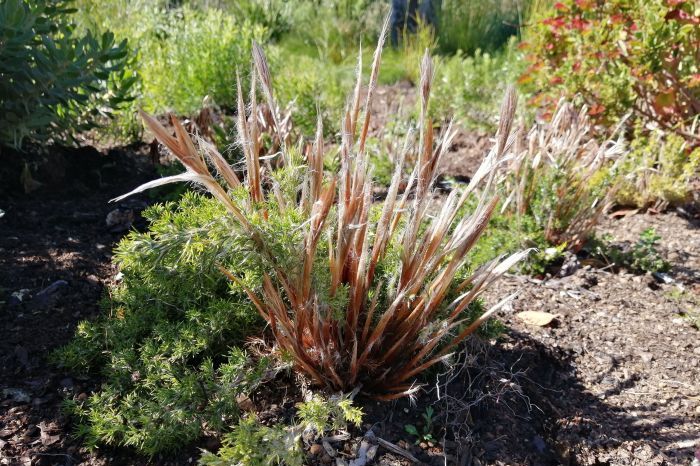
556	80
617	18
596	109
579	24
561	7
694	80
682	17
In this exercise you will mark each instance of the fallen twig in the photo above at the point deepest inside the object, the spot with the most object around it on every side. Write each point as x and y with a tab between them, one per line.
396	449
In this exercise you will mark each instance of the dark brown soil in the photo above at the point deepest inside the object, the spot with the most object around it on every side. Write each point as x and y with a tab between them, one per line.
613	381
55	260
628	391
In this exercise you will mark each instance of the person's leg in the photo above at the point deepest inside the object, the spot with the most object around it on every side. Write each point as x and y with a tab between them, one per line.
398	20
429	11
412	16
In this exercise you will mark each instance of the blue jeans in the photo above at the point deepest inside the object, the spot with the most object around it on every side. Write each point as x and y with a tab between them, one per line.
405	14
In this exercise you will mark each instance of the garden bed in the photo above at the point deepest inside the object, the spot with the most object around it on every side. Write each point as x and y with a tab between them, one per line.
613	380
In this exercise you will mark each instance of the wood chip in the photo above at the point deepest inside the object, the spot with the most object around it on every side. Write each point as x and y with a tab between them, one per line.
538	318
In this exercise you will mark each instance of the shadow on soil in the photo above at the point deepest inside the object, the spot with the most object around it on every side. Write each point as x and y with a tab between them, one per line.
519	402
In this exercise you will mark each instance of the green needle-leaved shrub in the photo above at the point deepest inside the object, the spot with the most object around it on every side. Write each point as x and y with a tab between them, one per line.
253	444
165	348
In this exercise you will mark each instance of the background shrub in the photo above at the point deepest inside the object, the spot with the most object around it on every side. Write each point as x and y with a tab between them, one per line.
560	176
657	171
619	56
182	54
187	54
470	87
54	82
468	26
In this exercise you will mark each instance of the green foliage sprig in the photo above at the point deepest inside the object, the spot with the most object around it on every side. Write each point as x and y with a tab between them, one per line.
252	443
640	257
657	171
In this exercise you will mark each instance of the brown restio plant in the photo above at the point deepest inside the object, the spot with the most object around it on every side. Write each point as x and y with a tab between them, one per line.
381	292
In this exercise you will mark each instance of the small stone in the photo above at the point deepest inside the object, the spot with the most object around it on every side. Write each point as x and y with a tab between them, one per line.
82	397
696	350
646	357
45	297
119	220
17	297
18	395
539	443
316	449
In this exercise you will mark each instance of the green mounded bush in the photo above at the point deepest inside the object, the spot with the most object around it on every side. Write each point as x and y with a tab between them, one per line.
657	171
54	82
619	57
307	86
187	54
640	257
166	348
182	54
335	27
253	444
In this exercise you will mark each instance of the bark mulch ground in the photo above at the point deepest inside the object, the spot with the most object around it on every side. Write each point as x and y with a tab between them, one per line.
613	380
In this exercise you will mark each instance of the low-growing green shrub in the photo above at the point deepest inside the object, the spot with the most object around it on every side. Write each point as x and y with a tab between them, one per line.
354	294
468	26
165	348
188	54
54	82
640	257
688	303
276	16
508	233
307	87
335	27
183	53
619	57
657	171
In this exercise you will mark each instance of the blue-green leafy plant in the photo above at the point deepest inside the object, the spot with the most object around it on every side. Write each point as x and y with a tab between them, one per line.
55	83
